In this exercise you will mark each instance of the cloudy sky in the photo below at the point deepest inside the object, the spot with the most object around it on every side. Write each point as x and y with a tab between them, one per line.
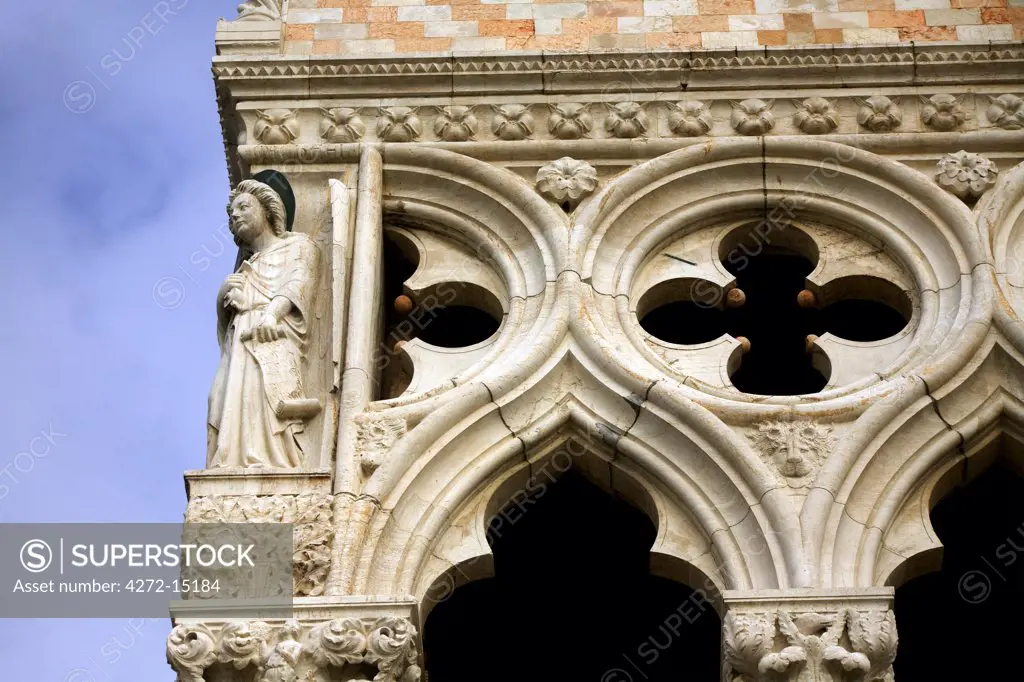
114	184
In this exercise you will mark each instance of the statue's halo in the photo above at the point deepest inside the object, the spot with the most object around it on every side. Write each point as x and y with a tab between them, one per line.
277	181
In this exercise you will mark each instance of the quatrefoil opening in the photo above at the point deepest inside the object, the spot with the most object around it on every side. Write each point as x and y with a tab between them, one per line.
774	310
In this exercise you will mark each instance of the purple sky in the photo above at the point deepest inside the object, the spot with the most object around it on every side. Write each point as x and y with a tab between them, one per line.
113	176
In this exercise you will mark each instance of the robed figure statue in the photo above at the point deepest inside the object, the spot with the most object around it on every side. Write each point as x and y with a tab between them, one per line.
257	405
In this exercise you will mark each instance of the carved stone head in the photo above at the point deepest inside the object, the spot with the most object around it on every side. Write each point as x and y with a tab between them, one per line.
254	207
795	448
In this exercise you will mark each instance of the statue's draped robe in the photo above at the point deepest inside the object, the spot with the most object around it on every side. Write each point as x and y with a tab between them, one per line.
245	430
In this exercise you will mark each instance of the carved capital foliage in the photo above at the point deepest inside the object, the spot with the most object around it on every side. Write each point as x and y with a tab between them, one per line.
254	10
383	647
310	514
848	646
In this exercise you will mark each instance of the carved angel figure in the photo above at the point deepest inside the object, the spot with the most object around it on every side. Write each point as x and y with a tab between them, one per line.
257	404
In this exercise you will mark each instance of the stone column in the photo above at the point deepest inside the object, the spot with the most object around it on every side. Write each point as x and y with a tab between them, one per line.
812	635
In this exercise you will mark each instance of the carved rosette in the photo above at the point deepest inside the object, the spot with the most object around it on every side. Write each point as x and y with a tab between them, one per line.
276	126
848	646
689	119
569	121
383	647
879	114
512	122
942	112
966	175
455	124
312	532
341	124
752	117
1007	112
626	120
375	436
399	124
567	181
793	450
816	116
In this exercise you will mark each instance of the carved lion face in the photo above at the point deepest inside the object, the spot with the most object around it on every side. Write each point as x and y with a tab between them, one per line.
795	448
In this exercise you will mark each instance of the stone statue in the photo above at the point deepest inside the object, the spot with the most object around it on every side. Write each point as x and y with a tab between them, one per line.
257	404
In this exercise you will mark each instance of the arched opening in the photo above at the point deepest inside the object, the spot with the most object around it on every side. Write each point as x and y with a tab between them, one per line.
961	622
572	598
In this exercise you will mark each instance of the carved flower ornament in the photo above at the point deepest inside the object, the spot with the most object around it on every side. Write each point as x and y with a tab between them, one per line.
566	180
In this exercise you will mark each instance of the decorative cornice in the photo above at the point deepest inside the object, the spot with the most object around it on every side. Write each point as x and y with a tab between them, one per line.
455	73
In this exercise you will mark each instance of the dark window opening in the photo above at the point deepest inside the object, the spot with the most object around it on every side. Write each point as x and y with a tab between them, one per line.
572	599
963	623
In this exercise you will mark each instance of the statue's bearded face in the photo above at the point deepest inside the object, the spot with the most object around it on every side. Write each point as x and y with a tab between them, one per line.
247	218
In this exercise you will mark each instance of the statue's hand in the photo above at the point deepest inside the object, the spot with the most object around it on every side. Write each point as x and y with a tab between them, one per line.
268	329
231	291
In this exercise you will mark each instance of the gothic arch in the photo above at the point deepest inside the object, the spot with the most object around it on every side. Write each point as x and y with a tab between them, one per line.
879	526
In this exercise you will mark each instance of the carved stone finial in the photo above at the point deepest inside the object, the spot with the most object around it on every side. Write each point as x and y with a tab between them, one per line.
512	122
399	124
752	117
966	175
626	120
569	121
455	124
943	112
255	10
341	124
566	180
690	118
1007	112
276	126
879	114
794	450
816	116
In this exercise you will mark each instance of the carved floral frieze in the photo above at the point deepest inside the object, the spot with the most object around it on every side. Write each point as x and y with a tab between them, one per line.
1007	112
879	114
752	117
515	121
816	116
276	126
689	119
943	112
848	646
383	649
310	515
341	124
